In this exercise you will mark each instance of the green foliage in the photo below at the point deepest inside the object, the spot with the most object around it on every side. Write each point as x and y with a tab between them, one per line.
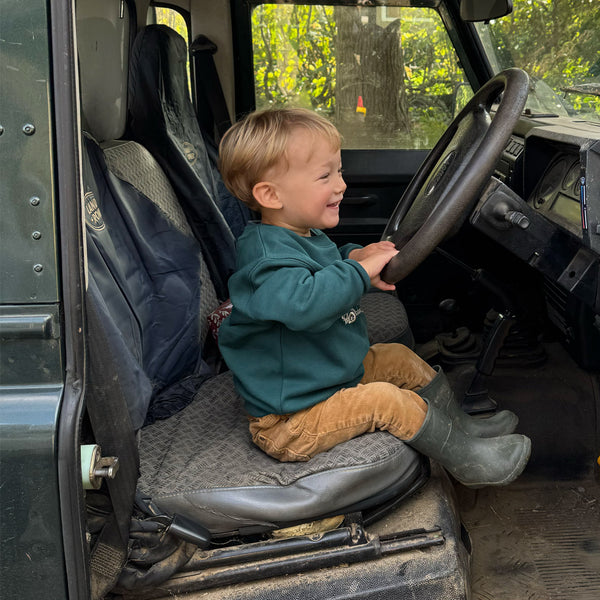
557	41
294	55
173	19
298	50
406	70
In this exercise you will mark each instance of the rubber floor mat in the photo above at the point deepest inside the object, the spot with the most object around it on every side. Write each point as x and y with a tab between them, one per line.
534	541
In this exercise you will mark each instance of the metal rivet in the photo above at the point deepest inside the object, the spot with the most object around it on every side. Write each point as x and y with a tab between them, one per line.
38	268
1	130
34	201
36	235
28	129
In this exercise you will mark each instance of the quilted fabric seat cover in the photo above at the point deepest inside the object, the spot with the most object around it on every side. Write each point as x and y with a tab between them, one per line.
386	319
202	464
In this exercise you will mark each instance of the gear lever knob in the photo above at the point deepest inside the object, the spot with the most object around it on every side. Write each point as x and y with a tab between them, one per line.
449	315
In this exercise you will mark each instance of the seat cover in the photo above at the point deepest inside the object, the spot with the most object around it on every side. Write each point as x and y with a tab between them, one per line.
386	319
162	119
201	464
146	275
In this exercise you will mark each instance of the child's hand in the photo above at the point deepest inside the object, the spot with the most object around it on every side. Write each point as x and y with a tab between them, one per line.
372	259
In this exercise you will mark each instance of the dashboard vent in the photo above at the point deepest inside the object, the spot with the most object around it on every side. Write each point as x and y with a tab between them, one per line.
556	302
514	147
506	165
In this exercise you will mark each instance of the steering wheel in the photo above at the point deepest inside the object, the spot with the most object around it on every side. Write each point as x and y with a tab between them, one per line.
449	181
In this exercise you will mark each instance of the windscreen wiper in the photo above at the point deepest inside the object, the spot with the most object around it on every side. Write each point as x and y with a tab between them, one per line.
591	89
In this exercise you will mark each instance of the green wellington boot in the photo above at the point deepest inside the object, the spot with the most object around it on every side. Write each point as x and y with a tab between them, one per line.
473	461
439	393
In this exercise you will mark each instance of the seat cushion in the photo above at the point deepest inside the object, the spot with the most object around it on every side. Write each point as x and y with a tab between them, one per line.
386	319
202	464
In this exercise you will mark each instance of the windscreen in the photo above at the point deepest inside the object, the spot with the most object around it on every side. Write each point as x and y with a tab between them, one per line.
558	43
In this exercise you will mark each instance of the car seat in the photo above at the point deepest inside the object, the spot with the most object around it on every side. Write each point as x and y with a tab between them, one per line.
163	120
150	282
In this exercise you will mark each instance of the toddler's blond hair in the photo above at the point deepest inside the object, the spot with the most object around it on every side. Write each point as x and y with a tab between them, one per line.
259	142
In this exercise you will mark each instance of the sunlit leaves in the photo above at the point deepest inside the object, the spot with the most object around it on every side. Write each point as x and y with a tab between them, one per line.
557	41
299	54
294	55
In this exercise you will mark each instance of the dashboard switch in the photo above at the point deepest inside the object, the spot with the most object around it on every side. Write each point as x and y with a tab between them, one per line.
505	214
517	218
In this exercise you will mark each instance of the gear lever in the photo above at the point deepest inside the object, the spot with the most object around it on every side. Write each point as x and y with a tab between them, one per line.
477	398
449	313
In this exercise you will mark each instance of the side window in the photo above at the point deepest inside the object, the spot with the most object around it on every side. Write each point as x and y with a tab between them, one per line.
387	76
173	18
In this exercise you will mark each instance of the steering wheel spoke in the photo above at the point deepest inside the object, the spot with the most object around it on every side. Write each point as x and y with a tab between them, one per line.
447	184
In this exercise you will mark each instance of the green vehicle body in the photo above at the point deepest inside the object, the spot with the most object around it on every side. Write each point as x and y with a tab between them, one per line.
39	371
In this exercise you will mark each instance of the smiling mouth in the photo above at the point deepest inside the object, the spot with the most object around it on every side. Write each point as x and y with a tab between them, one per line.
334	204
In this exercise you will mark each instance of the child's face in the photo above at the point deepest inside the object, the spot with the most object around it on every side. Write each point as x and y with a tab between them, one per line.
309	192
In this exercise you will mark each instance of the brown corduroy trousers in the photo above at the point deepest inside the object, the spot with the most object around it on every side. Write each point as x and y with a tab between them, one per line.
384	399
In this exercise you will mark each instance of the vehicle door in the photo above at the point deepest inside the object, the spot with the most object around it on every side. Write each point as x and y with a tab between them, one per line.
41	353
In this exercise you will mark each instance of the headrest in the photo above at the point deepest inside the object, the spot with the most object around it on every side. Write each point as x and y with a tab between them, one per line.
103	45
158	85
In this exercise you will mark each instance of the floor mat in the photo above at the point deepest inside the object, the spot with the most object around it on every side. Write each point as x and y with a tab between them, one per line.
534	541
557	408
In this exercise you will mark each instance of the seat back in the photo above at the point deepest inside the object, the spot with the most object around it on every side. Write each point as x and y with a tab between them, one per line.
146	269
147	273
163	120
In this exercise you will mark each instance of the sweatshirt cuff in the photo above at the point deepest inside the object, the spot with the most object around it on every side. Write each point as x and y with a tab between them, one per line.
347	248
361	271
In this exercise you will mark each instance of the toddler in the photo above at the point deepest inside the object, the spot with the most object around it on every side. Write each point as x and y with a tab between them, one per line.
296	340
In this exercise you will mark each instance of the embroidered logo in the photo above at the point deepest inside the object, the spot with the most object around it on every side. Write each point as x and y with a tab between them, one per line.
350	317
190	152
93	214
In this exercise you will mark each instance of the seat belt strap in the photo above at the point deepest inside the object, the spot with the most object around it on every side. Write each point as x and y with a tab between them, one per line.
113	432
211	106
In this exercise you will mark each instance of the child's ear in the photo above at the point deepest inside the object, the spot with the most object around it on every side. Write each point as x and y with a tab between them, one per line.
266	195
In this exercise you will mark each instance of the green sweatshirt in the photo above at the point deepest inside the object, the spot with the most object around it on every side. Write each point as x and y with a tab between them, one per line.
296	334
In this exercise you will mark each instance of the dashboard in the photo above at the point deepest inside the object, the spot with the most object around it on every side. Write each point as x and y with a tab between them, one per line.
543	205
559	193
